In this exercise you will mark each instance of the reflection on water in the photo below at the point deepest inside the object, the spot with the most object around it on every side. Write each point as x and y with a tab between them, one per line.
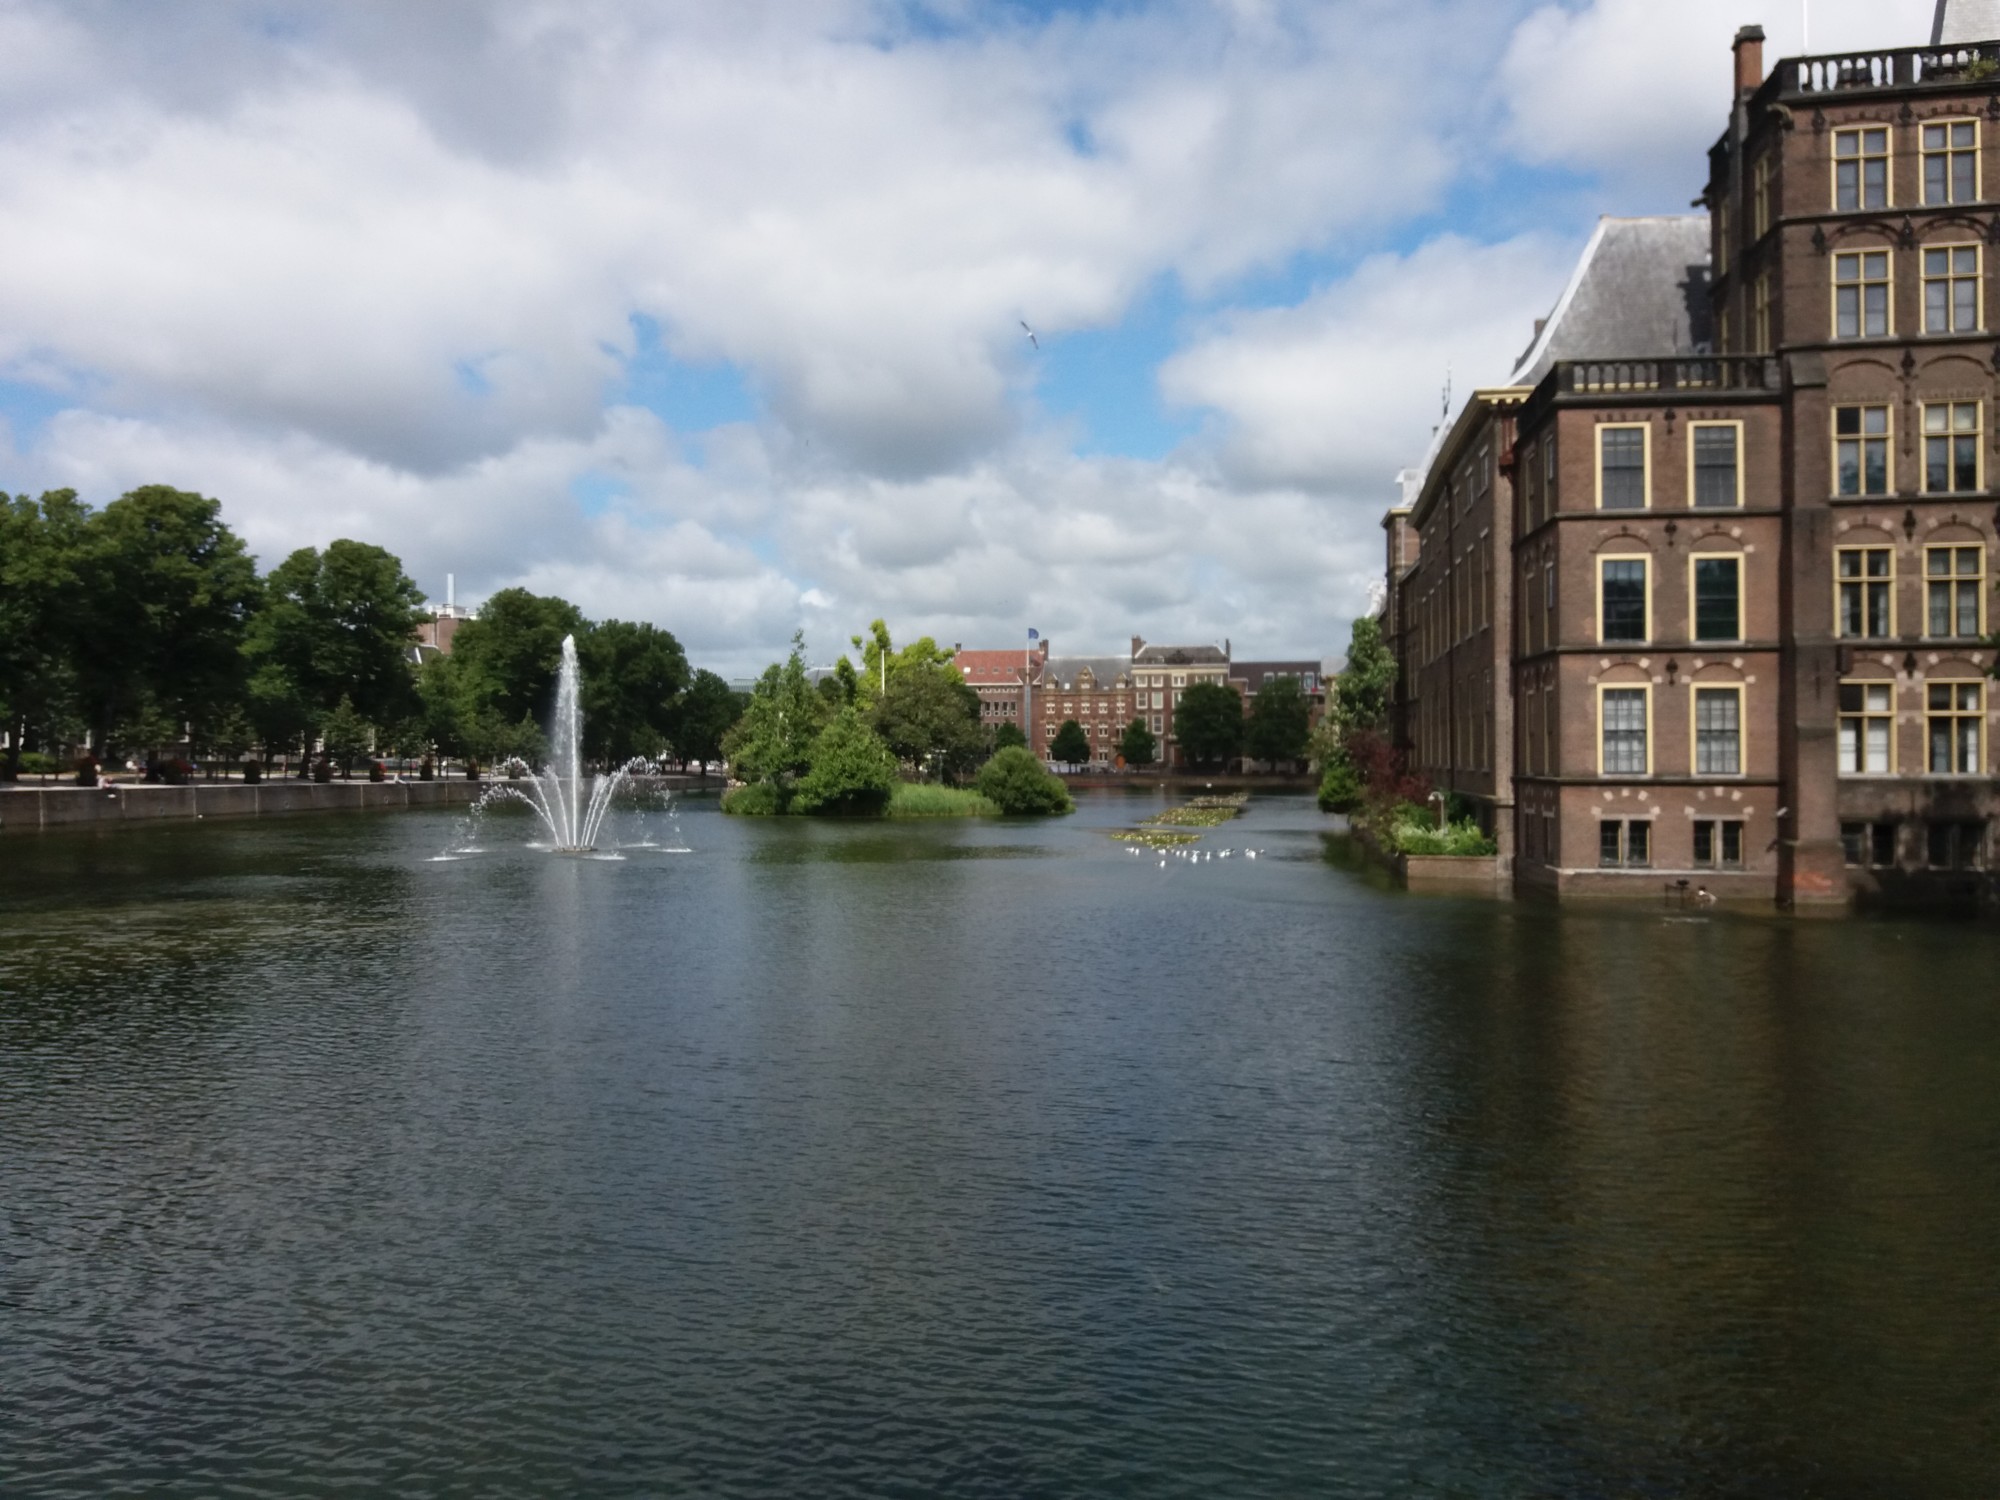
972	1158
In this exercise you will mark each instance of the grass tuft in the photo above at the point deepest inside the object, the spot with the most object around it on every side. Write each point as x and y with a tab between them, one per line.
913	800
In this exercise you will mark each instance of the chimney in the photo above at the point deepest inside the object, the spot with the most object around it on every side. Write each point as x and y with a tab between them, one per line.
450	591
1138	645
1749	50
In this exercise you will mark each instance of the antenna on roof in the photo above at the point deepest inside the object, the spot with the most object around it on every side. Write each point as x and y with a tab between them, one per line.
1445	413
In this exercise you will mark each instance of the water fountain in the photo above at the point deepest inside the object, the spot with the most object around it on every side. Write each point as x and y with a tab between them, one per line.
572	816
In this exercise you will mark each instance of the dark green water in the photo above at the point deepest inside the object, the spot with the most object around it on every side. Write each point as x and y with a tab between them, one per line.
981	1160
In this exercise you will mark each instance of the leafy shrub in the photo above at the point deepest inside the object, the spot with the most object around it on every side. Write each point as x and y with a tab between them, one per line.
1415	832
34	763
852	771
1015	782
1340	788
911	800
760	799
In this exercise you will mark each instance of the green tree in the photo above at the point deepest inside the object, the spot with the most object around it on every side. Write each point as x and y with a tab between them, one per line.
1341	789
169	591
1137	744
41	604
633	678
851	770
347	735
772	742
1071	745
508	657
1361	695
1208	722
930	715
707	712
880	661
1009	734
1279	723
1015	782
333	625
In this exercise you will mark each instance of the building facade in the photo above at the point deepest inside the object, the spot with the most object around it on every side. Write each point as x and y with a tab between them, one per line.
1750	559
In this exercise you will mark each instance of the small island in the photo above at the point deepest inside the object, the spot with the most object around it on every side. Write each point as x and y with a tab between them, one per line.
897	737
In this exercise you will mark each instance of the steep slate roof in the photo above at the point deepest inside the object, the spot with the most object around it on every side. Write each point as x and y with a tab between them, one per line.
1063	670
1640	290
994	668
1966	21
1177	656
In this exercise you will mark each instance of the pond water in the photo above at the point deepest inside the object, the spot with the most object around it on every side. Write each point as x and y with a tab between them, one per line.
972	1159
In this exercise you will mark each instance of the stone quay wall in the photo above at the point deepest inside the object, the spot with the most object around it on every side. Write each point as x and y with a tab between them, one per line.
40	809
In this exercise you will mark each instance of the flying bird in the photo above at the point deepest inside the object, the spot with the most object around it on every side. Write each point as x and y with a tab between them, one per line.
1030	333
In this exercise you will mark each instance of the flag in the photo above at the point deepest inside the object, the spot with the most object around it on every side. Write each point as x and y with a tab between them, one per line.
1034	635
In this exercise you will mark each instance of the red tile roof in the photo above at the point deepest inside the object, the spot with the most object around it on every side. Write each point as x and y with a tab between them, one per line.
993	668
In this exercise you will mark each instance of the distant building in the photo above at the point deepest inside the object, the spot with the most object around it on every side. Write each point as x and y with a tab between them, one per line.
434	636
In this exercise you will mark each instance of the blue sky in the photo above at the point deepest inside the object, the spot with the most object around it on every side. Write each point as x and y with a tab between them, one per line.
710	315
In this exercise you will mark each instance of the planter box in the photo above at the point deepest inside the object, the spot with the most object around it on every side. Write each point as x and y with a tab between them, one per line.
1471	873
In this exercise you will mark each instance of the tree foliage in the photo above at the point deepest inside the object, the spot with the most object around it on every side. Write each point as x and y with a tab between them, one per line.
41	604
1015	782
930	718
334	626
168	589
1009	734
708	710
772	742
1208	722
1071	746
850	770
881	662
633	679
1361	695
1137	745
1279	722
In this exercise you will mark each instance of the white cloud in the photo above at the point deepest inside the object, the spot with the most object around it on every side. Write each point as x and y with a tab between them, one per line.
1333	391
1638	89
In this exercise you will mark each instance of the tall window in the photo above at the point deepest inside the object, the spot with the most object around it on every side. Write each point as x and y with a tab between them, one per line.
1951	162
1623	612
1861	449
1861	294
1718	598
1625	843
1955	586
1955	846
1861	168
1867	728
1624	750
1760	314
1621	468
1717	471
1869	844
1866	577
1718	731
1725	238
1951	289
1760	198
1718	843
1549	474
1955	717
1951	447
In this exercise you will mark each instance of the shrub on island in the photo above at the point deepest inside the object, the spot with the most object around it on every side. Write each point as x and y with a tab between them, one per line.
1016	783
852	771
927	800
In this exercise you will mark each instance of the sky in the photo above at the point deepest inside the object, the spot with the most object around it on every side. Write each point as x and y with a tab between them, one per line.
711	315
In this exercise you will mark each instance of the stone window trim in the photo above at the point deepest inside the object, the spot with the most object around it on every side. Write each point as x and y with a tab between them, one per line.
1864	592
1620	469
1863	291
1696	467
1620	731
1863	167
1604	638
1953	279
1951	169
1714	726
1694	618
1867	727
1955	577
1864	449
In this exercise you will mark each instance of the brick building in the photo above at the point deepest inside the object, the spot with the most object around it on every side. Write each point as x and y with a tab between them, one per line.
1006	682
1751	553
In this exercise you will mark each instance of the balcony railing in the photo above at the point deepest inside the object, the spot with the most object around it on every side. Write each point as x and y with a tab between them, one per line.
1699	372
1897	68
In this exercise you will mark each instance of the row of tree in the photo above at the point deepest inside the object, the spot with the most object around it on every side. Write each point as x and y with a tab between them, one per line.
1213	728
144	627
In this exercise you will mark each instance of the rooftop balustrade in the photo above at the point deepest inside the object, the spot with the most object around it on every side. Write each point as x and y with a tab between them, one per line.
1812	78
1685	374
